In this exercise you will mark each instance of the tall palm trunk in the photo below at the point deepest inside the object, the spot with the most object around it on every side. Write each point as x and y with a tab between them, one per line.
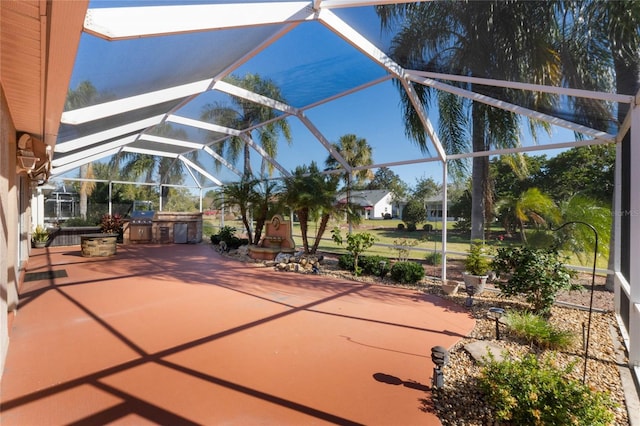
323	226
245	221
479	175
303	217
248	172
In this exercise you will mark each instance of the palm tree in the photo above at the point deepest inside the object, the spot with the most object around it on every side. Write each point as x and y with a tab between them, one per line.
580	239
619	23
265	205
508	40
153	168
84	95
356	152
243	195
310	193
530	206
243	114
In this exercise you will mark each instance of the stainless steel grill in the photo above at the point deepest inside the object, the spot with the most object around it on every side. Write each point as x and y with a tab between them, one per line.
140	225
142	217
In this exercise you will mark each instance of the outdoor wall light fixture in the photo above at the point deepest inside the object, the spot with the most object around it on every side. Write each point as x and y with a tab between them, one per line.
440	357
496	314
593	282
25	158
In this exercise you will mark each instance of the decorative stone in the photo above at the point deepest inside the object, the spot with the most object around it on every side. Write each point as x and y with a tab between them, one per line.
480	350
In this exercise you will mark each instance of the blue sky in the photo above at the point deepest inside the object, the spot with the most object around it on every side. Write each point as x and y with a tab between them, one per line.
309	63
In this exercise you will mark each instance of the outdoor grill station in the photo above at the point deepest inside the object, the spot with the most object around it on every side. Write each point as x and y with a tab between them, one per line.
149	226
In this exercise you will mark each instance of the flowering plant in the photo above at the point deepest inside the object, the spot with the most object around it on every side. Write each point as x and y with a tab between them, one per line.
111	224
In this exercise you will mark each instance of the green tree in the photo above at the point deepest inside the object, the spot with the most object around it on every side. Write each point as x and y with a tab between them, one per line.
414	213
243	195
356	152
356	245
83	95
383	178
153	168
245	115
530	206
606	35
580	239
425	189
265	204
586	170
499	39
511	179
310	193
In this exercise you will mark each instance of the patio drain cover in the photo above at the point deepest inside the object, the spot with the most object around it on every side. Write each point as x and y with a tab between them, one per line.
47	275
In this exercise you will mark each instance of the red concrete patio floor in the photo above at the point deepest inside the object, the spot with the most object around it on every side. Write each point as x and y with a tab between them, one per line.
177	334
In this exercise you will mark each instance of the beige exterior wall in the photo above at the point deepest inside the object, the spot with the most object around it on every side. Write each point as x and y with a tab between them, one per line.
9	229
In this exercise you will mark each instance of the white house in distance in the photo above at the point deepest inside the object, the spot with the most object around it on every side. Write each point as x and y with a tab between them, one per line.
374	204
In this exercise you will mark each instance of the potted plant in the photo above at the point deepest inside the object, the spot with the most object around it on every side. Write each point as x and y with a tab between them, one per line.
476	269
111	224
40	237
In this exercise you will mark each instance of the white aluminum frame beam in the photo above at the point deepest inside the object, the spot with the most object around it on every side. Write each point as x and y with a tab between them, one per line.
202	171
580	93
70	166
170	141
239	92
93	151
145	151
131	103
202	125
533	148
357	40
247	139
137	22
111	133
328	145
593	133
221	159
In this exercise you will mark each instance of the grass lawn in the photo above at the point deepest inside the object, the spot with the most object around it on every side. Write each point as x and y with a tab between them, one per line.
388	235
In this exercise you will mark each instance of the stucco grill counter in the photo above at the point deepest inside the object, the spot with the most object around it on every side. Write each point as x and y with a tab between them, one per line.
163	228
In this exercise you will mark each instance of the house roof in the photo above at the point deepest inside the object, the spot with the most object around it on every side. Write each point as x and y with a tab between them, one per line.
365	198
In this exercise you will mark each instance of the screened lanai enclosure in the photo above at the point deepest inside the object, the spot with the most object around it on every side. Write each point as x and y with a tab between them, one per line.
193	95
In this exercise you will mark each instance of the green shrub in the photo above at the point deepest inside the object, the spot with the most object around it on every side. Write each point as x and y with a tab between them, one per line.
530	392
356	245
428	227
538	331
227	234
401	227
433	258
411	227
371	265
346	262
407	272
537	274
476	263
462	225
